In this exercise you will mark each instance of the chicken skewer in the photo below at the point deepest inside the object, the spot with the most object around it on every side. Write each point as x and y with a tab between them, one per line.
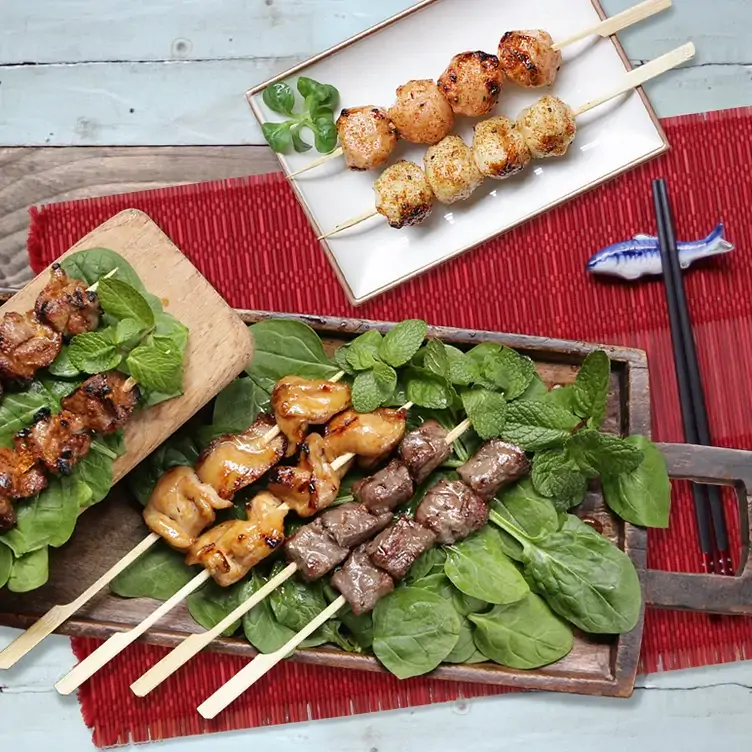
319	547
404	192
449	512
471	85
229	550
257	449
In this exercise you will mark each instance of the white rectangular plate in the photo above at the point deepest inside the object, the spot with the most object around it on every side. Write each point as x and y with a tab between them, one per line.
372	257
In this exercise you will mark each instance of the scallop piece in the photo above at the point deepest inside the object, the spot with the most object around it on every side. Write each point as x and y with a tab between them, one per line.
421	112
472	83
499	148
451	170
549	127
367	137
528	58
403	194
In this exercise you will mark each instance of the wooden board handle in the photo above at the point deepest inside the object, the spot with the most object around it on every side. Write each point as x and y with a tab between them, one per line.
708	593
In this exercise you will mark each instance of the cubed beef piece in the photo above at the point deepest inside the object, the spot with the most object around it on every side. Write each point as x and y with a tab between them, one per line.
362	583
452	510
424	449
351	524
386	490
314	550
496	464
399	546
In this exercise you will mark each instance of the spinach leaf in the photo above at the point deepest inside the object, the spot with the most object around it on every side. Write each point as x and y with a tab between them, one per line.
414	630
283	347
29	571
531	513
643	495
508	371
158	573
523	635
486	410
585	579
466	604
436	583
465	647
591	388
17	411
476	657
478	567
95	470
238	405
538	425
55	390
93	264
598	454
212	603
6	564
463	370
556	475
260	626
402	342
429	563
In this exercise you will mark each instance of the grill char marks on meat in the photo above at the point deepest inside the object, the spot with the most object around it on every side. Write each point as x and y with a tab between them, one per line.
386	490
66	305
56	441
495	465
361	582
26	345
102	403
396	548
314	550
368	435
452	511
352	524
424	449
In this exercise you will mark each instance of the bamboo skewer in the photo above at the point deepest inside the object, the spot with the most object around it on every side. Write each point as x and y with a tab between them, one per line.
194	644
605	28
631	80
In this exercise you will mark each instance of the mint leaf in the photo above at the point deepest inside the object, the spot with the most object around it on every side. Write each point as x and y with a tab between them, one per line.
462	370
435	358
157	367
643	495
487	412
536	390
598	454
94	352
562	396
426	389
538	425
127	329
401	343
591	387
557	476
340	358
363	351
372	388
509	371
124	302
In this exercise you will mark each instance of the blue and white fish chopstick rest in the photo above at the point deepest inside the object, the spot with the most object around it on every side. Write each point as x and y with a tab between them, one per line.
641	256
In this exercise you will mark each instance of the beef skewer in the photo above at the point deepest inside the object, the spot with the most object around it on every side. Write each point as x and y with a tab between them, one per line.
471	86
405	193
449	512
181	491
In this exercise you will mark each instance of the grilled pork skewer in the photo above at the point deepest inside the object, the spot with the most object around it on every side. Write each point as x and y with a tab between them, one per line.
405	193
179	510
449	512
471	85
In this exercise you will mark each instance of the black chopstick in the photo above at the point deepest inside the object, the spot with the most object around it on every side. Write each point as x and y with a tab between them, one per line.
707	499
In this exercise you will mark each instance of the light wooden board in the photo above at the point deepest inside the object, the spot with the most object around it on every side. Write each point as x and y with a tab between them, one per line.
219	345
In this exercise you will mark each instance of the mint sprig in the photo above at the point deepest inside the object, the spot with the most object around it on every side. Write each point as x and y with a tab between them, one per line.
590	389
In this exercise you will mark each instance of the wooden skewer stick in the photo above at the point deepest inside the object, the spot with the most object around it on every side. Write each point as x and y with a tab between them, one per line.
616	23
338	152
109	274
631	80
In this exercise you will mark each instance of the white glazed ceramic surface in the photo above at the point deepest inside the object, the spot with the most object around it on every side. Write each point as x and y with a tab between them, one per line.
373	257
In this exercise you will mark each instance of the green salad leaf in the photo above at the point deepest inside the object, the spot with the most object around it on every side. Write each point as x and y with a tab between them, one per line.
590	389
538	425
30	571
486	410
598	454
212	603
557	476
402	342
6	564
260	626
158	573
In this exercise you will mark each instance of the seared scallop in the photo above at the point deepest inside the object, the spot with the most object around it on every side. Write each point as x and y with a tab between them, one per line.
528	58
403	194
499	148
549	127
451	170
472	83
421	112
367	137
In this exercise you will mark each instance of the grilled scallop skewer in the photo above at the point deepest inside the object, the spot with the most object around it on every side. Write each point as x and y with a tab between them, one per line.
471	85
449	512
501	148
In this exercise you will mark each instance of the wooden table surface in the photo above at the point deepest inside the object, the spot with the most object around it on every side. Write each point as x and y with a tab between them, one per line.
106	97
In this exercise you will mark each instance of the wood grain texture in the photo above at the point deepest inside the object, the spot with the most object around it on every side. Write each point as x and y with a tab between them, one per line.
31	177
219	344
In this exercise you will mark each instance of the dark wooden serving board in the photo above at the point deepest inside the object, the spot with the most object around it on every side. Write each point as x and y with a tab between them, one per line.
599	666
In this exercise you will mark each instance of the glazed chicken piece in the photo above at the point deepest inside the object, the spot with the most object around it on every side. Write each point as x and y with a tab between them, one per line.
403	194
230	550
299	402
472	83
549	127
20	478
310	487
367	137
499	148
103	403
26	345
528	58
181	506
421	112
55	441
234	461
451	170
66	305
368	435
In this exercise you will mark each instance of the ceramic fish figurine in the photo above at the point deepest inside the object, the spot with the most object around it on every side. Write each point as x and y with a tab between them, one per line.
641	256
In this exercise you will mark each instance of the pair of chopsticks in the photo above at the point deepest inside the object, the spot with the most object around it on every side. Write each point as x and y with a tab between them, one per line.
711	520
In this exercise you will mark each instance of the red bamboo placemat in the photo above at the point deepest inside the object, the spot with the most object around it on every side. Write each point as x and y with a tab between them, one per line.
252	241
